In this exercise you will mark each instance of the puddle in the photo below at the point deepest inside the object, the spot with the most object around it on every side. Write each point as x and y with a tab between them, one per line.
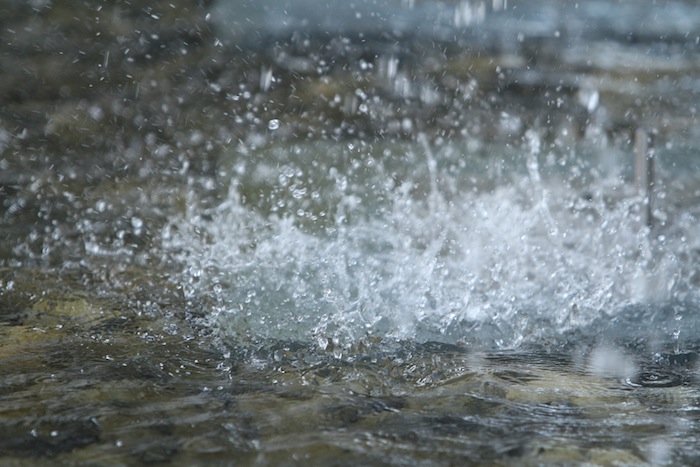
415	240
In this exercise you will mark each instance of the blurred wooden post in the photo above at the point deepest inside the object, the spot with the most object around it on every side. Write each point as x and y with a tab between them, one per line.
644	171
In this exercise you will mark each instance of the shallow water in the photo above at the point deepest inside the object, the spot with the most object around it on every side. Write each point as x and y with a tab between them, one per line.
167	400
412	237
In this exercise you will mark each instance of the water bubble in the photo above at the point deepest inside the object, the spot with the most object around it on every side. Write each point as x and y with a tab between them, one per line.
299	193
273	124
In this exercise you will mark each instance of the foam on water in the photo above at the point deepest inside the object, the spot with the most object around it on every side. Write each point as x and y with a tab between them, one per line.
450	242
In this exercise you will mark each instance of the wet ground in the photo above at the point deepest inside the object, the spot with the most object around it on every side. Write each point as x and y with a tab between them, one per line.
122	126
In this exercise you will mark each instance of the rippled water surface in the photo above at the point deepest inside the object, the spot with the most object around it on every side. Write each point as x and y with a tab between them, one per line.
392	232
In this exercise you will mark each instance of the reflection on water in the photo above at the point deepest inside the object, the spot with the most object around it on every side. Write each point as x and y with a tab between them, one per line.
402	233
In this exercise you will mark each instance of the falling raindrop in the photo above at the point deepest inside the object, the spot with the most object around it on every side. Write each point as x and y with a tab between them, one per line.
265	79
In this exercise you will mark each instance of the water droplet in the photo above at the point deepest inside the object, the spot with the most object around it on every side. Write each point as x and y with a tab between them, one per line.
137	223
273	124
589	98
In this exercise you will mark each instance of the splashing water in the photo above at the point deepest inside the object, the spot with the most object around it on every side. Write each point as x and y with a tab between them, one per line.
459	242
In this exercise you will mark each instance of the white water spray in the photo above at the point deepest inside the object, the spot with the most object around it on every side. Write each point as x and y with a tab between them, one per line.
412	241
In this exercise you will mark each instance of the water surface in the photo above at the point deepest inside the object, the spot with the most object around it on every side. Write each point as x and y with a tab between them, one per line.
403	233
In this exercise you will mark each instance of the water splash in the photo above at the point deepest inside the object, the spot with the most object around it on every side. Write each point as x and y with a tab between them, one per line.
341	242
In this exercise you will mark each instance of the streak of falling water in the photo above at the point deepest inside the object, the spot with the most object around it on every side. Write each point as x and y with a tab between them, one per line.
265	79
467	12
500	5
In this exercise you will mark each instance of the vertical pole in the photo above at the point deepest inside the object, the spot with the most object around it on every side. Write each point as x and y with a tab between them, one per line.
644	171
